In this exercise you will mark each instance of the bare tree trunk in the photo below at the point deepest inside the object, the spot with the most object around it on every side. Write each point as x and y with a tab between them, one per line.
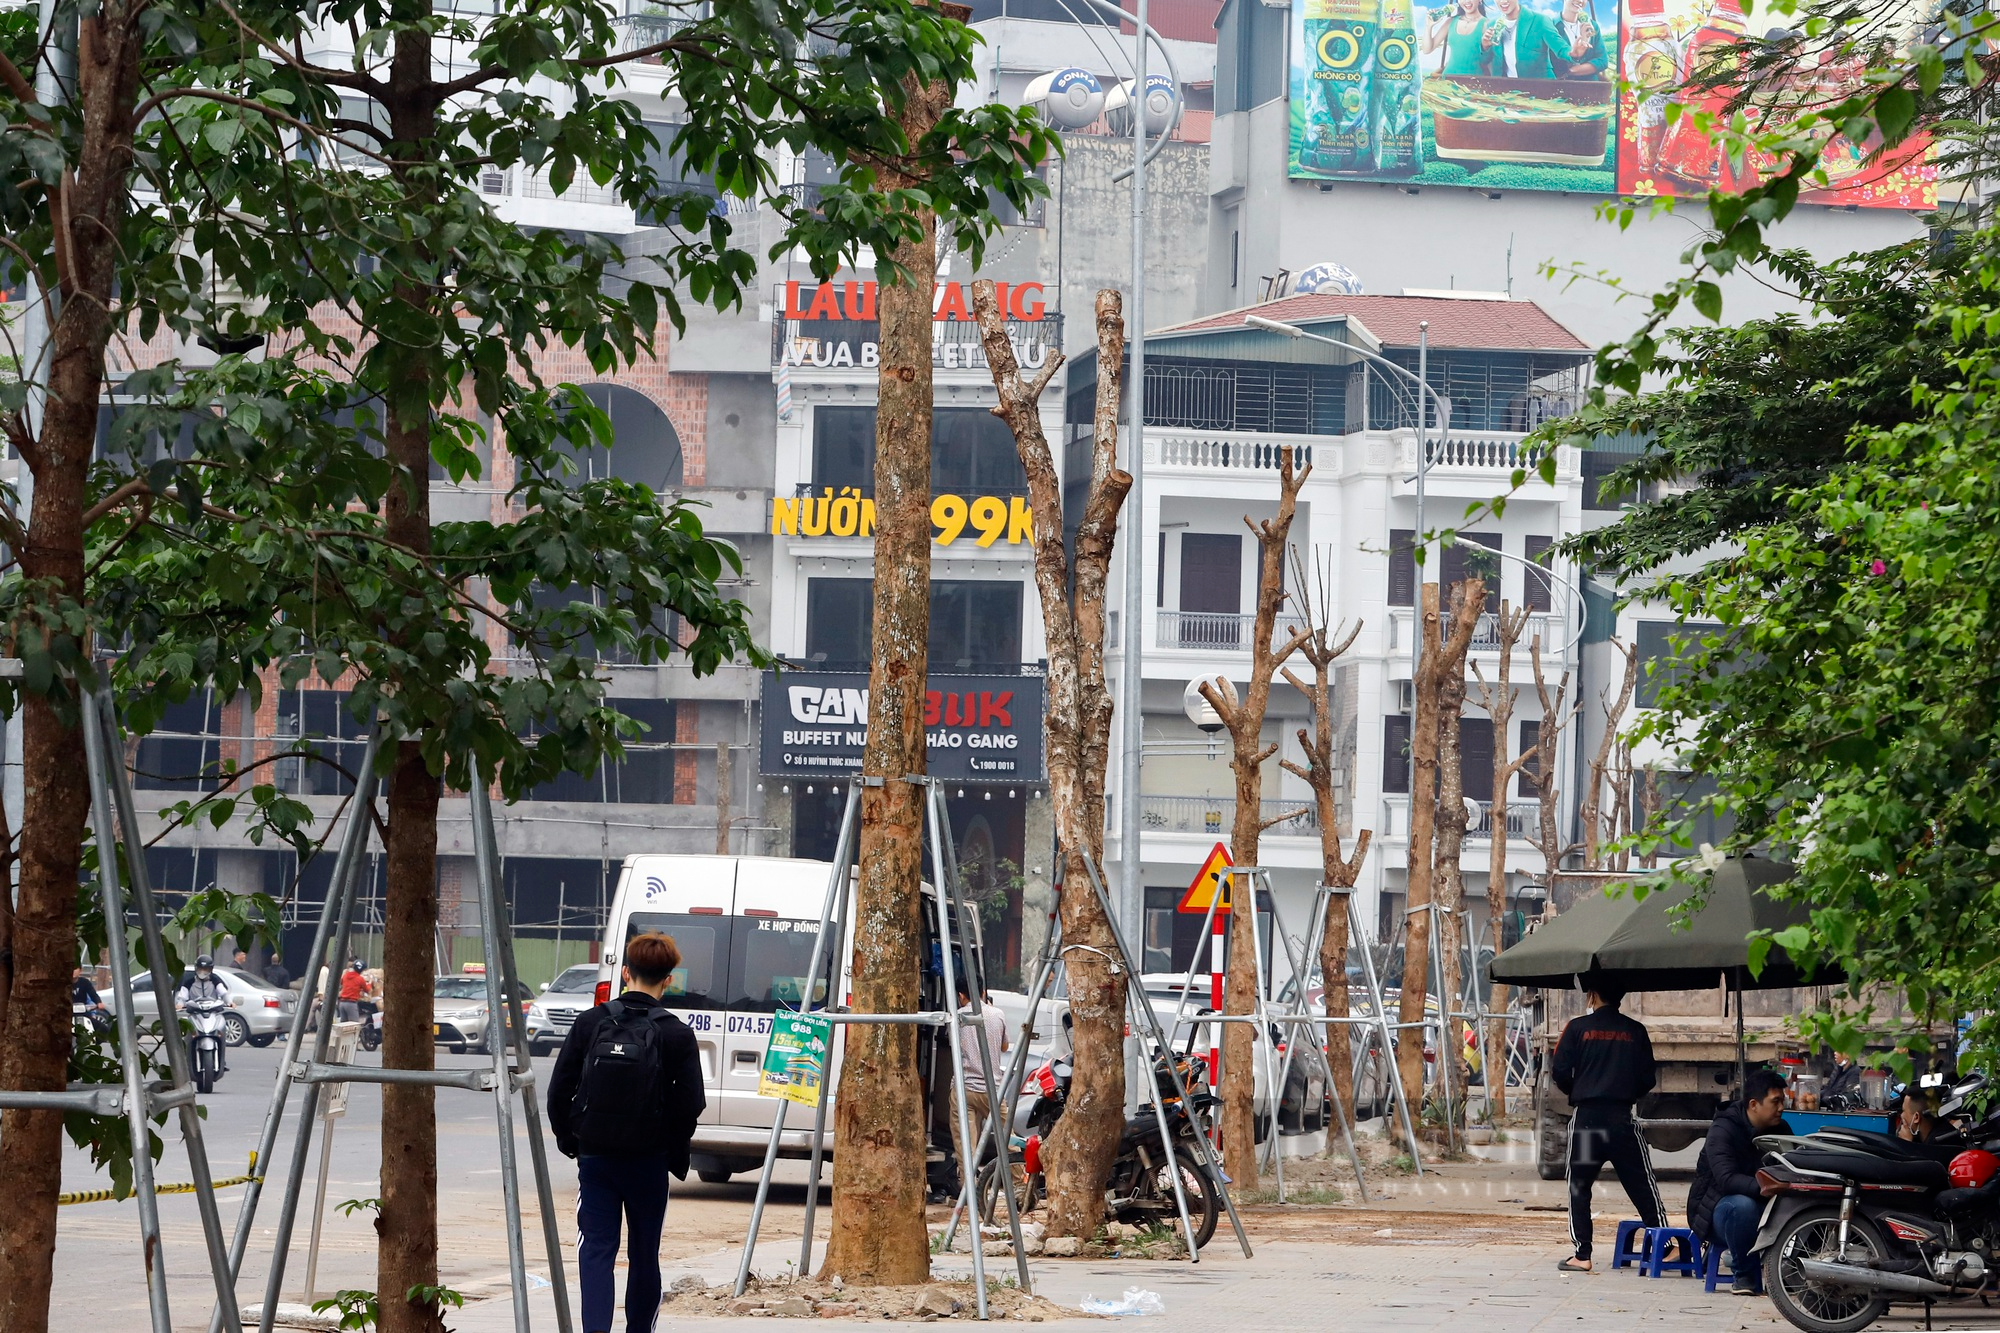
878	1162
1594	832
1079	1153
1244	717
89	204
1443	654
1450	874
1548	837
1336	871
1498	701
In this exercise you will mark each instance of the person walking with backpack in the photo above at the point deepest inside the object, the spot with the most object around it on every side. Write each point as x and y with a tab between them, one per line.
624	1098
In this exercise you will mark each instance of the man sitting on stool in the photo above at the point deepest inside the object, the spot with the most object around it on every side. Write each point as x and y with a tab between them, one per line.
1724	1205
1604	1064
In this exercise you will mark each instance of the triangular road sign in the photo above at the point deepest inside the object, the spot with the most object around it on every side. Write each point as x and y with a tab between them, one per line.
1207	881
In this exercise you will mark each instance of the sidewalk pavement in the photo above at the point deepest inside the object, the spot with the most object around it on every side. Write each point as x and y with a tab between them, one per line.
1291	1286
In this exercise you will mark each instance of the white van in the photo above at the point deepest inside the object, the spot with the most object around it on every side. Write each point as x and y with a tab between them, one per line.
746	927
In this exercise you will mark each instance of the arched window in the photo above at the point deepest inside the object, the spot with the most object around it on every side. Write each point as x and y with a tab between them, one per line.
645	447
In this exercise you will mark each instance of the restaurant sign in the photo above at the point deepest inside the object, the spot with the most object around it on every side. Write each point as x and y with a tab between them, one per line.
834	325
976	728
852	514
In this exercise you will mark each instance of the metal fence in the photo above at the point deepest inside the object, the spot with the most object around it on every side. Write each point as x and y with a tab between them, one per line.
1214	816
1224	630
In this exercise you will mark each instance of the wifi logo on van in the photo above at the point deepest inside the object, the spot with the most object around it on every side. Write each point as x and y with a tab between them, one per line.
655	887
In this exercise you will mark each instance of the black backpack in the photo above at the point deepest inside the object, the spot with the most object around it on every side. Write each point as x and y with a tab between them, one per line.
620	1109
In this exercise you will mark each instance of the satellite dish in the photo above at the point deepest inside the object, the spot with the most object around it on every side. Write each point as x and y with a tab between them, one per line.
1068	99
1159	103
1199	711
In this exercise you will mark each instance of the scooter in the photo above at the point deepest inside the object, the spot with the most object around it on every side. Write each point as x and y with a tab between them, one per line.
205	1045
97	1016
371	1025
1859	1220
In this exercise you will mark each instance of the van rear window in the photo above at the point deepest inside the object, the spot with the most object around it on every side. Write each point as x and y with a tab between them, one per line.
704	945
768	964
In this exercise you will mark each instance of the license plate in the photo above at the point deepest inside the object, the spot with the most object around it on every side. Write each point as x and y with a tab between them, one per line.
436	1028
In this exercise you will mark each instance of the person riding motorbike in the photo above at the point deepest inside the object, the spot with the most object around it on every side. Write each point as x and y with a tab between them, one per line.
206	985
82	992
354	989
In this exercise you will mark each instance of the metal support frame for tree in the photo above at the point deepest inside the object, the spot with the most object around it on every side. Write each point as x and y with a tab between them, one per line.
505	1026
1299	1008
951	918
138	1098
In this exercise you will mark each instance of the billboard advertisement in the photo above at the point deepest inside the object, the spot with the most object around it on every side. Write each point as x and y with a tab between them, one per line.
1526	95
1502	94
977	728
1664	42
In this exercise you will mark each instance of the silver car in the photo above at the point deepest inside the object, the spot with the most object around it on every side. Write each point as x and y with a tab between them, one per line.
458	1012
259	1013
552	1014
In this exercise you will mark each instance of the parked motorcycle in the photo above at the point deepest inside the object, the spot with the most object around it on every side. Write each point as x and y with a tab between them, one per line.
1860	1220
205	1044
1140	1190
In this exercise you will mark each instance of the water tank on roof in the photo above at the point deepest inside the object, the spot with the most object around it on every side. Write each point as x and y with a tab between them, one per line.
1334	279
1067	99
1161	106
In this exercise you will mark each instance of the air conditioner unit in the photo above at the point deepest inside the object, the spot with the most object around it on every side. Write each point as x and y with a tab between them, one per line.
1406	696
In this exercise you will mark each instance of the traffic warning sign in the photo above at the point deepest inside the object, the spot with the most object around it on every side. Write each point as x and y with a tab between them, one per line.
1208	881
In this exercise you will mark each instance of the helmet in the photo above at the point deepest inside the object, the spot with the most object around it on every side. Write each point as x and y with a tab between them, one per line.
355	965
204	964
1972	1168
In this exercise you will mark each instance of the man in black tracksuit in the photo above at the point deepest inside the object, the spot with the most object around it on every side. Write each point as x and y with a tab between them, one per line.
1604	1063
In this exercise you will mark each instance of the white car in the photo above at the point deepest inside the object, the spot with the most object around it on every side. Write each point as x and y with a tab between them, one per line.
259	1013
458	1012
554	1011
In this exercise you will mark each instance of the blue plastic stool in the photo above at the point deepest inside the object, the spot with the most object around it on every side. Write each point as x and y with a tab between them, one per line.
1713	1278
1621	1254
1692	1261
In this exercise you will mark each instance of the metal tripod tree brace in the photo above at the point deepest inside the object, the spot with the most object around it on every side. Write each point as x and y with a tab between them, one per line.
336	920
832	921
137	1098
1299	1008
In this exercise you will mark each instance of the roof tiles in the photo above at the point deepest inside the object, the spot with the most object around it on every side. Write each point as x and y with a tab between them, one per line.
1454	322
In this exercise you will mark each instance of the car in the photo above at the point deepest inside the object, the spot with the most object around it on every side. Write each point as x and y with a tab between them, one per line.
259	1013
556	1008
458	1011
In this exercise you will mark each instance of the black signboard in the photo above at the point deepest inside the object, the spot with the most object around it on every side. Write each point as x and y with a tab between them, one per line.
980	728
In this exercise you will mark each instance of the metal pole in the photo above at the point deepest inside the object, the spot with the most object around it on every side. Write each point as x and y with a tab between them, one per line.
319	1205
955	1041
1445	1034
944	857
137	1121
118	785
352	840
1131	676
1421	551
288	1206
1264	1023
1382	1026
524	1081
837	901
836	882
499	989
1152	1023
1315	934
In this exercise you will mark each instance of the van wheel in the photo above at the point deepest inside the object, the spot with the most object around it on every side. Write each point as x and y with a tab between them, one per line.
713	1177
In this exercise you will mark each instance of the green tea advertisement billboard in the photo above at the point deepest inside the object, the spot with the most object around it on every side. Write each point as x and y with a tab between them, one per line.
1502	94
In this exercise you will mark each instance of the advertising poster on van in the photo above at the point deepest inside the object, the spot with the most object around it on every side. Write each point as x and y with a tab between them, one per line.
979	728
795	1058
1501	94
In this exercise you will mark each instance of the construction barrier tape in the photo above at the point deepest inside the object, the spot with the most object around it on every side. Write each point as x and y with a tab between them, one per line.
106	1196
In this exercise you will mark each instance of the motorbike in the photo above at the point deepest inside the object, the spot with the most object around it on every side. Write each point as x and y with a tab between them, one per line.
1857	1220
205	1044
98	1017
371	1025
1140	1189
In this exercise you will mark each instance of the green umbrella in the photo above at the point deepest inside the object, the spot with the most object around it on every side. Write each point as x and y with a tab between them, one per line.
1642	945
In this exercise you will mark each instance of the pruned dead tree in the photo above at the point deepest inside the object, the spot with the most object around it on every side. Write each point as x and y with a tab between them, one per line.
1243	717
1497	700
1323	644
1542	764
1443	655
1080	1151
1449	872
1598	831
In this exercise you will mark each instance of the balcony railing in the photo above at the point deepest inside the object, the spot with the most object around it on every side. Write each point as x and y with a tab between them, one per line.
1521	815
1486	634
1223	631
1215	816
1236	451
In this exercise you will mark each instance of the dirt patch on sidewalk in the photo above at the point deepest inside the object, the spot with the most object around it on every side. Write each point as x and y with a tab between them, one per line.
1372	1226
812	1299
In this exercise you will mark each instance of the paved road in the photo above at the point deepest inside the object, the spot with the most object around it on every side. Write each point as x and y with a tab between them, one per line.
99	1284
